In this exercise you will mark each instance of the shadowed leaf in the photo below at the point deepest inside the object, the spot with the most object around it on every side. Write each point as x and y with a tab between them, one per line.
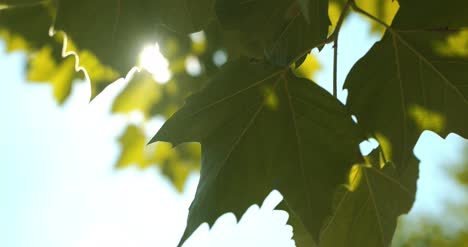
383	93
278	27
303	146
366	211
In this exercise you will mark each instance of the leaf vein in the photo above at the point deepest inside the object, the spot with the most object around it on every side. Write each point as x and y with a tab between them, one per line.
377	215
402	95
298	141
435	69
235	93
402	187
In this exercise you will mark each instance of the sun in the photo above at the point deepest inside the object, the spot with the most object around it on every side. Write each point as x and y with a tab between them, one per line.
154	62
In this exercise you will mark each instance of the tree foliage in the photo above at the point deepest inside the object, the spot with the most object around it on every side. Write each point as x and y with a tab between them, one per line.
261	122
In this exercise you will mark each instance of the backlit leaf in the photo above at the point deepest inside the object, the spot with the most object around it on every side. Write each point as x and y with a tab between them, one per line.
117	31
175	163
140	94
366	211
405	85
43	68
250	147
278	26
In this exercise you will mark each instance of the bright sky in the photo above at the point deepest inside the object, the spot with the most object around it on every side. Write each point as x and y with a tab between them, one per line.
58	186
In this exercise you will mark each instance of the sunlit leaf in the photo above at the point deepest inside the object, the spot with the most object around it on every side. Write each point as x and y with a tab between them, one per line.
125	27
308	67
455	45
175	163
139	95
43	68
132	143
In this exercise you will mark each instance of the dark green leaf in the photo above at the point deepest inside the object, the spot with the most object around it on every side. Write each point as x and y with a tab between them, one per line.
261	128
32	23
278	26
407	84
366	211
302	237
423	14
304	5
186	16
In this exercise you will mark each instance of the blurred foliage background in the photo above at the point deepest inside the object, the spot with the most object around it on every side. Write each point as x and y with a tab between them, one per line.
448	230
191	61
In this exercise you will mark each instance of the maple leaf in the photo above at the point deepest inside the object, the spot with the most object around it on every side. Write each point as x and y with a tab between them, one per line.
284	30
405	85
116	31
366	210
262	128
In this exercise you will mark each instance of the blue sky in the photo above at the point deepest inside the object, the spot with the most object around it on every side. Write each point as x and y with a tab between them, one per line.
58	186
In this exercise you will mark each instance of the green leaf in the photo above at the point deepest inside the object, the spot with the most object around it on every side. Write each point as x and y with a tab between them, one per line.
140	94
262	128
31	23
422	14
405	84
185	16
27	28
175	163
304	5
302	237
132	143
117	31
278	26
43	68
366	211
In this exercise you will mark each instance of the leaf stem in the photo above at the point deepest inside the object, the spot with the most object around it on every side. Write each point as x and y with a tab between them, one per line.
335	68
334	37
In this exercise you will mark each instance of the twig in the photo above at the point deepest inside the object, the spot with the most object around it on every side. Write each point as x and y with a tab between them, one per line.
335	68
334	36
